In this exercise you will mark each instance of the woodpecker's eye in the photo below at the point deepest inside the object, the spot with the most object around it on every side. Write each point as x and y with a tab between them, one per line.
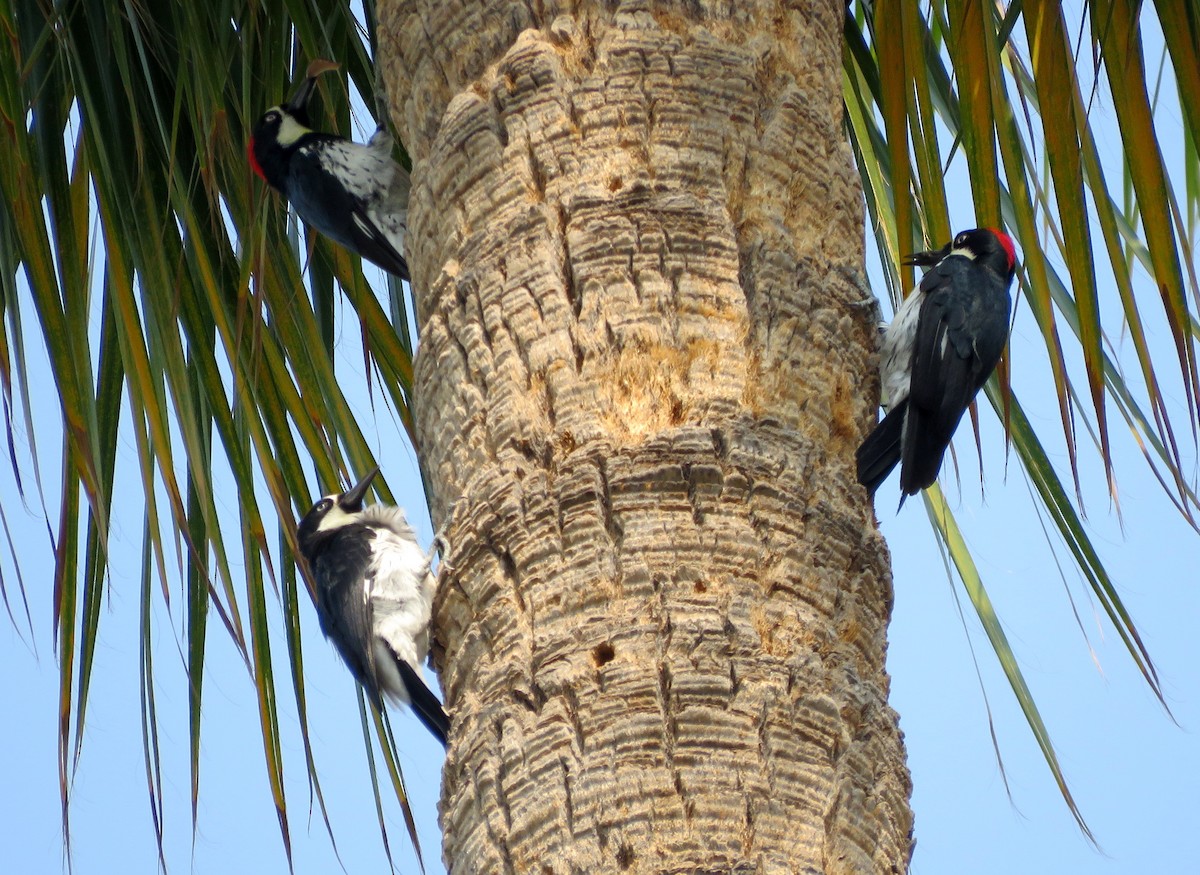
271	116
960	240
325	503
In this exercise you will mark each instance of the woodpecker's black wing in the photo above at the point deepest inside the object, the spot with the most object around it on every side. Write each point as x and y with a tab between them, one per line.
960	335
335	186
340	567
424	703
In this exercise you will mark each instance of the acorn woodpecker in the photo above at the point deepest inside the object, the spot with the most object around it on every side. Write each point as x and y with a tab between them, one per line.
939	350
374	596
353	193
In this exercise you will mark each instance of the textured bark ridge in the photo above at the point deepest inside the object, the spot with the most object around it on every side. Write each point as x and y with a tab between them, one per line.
636	231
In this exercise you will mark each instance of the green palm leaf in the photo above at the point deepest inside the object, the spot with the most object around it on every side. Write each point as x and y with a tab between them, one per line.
971	100
208	335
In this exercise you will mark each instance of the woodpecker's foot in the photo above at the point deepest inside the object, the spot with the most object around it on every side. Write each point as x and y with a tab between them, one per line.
868	301
440	542
868	304
382	109
441	539
381	139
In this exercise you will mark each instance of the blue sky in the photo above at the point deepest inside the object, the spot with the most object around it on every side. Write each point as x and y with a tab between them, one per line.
1131	769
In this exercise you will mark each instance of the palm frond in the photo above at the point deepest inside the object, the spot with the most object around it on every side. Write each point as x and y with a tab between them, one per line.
125	127
1021	132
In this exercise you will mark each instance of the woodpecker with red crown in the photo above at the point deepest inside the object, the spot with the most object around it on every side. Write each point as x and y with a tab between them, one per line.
374	596
937	353
352	193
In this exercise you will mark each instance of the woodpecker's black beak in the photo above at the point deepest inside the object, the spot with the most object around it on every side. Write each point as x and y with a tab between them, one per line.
351	501
298	105
928	258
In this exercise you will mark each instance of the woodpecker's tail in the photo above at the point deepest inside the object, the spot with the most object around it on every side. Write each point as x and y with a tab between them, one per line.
424	703
880	452
922	457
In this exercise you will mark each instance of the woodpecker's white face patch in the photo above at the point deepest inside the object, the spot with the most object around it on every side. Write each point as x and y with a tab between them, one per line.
290	130
335	517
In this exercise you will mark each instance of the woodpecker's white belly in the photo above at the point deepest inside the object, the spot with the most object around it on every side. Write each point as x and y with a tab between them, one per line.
400	591
895	356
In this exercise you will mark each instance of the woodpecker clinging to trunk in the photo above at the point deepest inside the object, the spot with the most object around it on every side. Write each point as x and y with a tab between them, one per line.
939	350
352	193
374	596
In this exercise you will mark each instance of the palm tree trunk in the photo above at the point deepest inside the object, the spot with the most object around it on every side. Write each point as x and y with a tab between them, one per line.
636	235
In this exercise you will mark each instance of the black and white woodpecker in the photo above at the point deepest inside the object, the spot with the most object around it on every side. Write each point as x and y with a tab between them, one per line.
374	596
352	193
938	351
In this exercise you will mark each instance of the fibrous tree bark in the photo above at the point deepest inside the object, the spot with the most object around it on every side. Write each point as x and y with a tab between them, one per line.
636	240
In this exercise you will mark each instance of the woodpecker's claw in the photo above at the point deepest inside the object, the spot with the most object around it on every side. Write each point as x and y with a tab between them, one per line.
441	543
856	279
382	109
868	301
441	540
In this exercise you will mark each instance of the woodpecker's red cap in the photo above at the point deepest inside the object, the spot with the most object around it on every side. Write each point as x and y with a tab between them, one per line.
1007	243
254	165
